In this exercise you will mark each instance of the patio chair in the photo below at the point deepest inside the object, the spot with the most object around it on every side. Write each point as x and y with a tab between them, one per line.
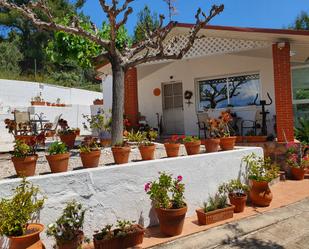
50	129
23	124
202	119
252	124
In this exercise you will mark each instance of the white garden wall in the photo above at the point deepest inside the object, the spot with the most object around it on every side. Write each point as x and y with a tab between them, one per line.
187	71
117	192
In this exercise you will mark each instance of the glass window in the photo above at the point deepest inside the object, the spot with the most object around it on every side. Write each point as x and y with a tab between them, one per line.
229	91
300	83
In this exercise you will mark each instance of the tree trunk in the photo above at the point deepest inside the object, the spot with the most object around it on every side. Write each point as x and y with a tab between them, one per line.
118	103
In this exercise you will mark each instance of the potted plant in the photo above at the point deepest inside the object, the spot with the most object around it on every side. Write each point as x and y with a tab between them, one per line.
227	142
67	230
58	158
172	145
297	159
67	135
21	131
121	152
146	146
134	138
90	152
100	124
38	100
125	235
24	156
17	214
260	172
98	102
212	142
192	145
237	193
77	132
167	195
216	209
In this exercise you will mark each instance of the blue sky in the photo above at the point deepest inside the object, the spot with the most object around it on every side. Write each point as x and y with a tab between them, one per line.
243	13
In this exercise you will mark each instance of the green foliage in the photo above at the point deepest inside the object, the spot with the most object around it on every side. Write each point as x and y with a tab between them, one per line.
302	130
260	169
123	228
234	187
21	149
69	224
137	137
89	144
218	201
189	139
10	57
18	211
146	20
301	22
57	148
166	192
100	123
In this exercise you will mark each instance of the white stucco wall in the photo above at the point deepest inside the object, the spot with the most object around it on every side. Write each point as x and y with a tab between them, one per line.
187	71
117	192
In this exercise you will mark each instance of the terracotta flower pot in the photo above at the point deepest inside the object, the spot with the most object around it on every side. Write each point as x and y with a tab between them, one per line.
68	139
239	202
90	159
121	154
73	244
227	143
98	102
298	173
214	216
58	163
105	142
260	194
147	152
212	145
25	138
239	139
40	103
193	148
130	240
77	132
171	220
31	238
25	166
172	150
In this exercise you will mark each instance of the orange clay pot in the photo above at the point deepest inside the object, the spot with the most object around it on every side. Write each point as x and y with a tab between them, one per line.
147	151
239	202
30	240
298	173
68	139
121	154
90	159
260	194
73	244
193	148
25	166
172	150
58	163
227	143
212	145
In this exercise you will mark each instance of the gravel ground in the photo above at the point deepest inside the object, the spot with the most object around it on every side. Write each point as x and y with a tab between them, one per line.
7	169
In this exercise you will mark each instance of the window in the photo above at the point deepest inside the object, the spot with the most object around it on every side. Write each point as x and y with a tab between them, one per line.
232	91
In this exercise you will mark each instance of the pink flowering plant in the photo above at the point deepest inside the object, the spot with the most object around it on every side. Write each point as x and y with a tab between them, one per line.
166	192
297	155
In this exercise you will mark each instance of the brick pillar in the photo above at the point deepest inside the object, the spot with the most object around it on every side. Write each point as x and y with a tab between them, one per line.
283	92
130	96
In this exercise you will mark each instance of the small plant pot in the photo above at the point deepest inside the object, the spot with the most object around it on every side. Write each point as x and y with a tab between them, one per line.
26	241
40	103
25	138
25	166
227	143
121	154
98	102
214	216
239	202
172	150
260	194
90	159
105	142
69	140
212	145
298	173
48	103
72	244
58	163
239	139
147	152
171	220
130	240
193	148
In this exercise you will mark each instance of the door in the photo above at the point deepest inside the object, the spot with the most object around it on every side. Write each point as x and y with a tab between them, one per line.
173	118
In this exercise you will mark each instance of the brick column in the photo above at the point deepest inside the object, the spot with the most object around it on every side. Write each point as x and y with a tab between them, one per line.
283	92
130	96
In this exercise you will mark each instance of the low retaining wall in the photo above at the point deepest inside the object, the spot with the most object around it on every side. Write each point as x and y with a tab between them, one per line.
117	192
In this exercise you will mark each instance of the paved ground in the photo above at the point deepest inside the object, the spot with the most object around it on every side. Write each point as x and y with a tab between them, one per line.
286	228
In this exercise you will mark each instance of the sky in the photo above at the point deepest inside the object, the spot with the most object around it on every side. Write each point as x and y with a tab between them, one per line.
241	13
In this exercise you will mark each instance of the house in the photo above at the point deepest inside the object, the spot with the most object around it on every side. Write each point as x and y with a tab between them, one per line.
228	67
